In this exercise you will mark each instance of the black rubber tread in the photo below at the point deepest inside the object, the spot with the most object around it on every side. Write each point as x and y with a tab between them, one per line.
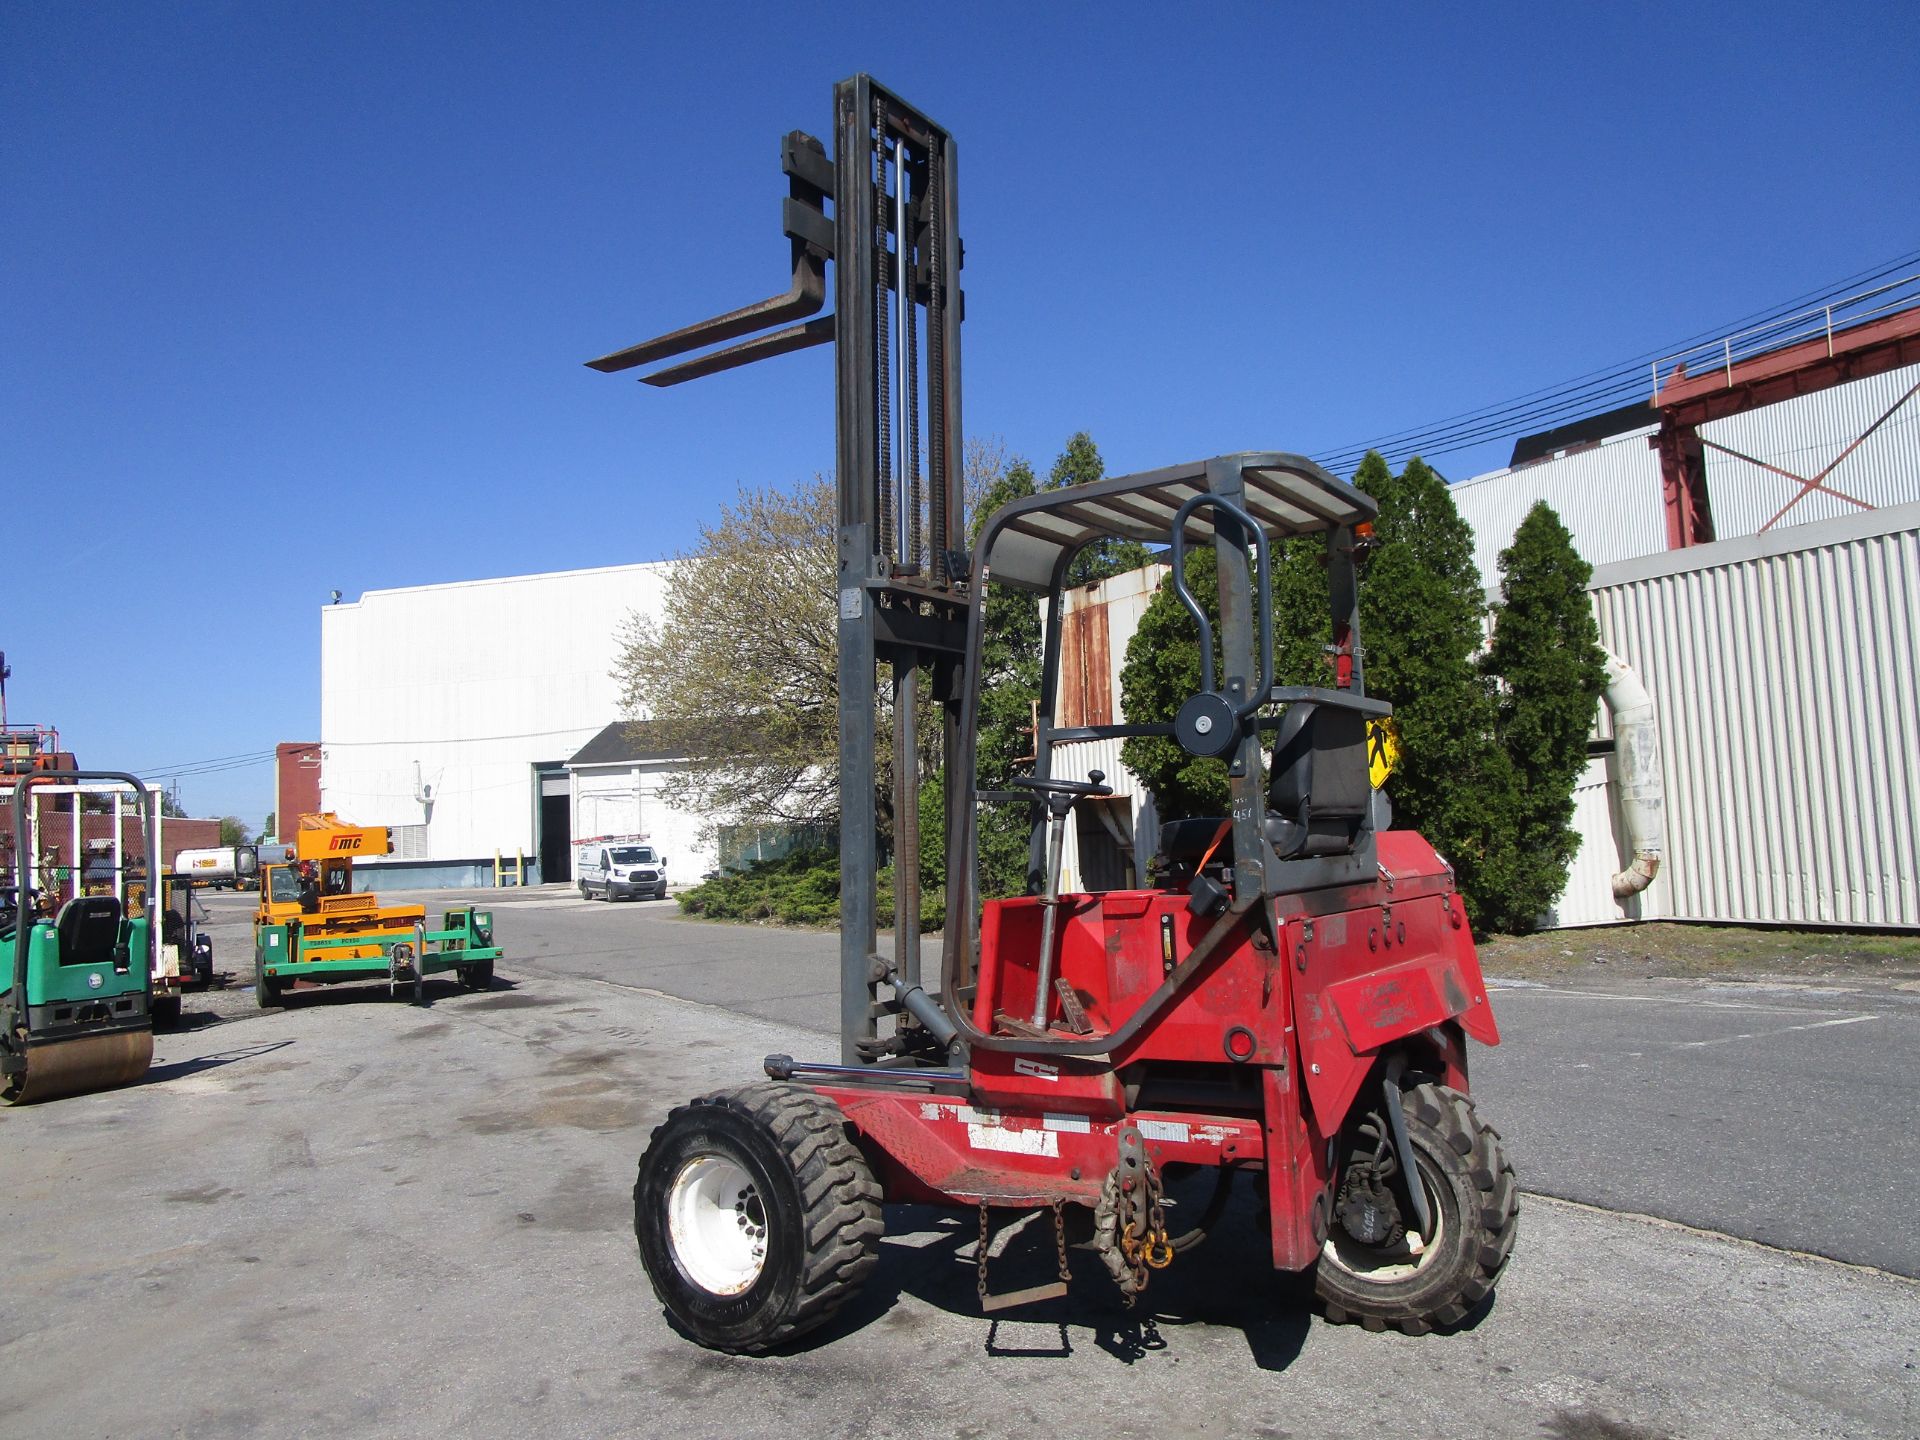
477	976
835	1221
165	1009
267	993
1484	1210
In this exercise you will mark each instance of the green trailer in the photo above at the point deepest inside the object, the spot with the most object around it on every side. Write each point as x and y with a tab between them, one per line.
331	947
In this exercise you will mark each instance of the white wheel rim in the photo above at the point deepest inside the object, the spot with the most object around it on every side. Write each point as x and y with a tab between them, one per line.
1384	1264
717	1224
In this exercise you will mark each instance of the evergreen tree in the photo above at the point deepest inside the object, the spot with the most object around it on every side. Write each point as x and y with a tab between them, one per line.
1302	618
1161	672
1422	618
1546	652
1079	463
1009	686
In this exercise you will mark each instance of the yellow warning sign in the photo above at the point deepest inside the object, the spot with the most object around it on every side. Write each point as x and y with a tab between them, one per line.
1383	750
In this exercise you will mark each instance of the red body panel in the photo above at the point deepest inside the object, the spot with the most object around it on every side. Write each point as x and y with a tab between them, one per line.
1359	970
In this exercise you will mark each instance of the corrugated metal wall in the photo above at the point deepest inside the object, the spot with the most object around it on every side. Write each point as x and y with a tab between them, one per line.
1608	497
1784	670
1806	434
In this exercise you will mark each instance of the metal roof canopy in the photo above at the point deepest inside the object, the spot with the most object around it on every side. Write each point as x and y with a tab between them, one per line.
1028	541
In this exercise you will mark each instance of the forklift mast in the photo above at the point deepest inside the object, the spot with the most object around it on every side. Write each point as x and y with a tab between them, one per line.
895	245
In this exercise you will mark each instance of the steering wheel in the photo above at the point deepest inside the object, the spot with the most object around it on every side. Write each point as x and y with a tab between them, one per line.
1062	793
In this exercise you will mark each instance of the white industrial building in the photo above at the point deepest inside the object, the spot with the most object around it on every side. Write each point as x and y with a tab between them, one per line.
481	721
1783	660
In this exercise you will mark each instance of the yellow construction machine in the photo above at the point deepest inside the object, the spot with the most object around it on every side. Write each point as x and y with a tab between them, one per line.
313	926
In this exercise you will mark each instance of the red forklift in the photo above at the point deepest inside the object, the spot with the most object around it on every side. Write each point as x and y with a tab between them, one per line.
1288	999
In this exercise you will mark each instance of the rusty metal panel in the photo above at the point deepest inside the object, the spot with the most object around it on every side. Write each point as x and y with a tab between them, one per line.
1097	677
1072	707
1783	668
1804	435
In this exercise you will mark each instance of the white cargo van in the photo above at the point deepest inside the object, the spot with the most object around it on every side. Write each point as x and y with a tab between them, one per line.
619	867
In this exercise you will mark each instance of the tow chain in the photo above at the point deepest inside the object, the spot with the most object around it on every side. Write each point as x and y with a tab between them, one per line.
1038	1292
980	1259
1060	1240
1131	1223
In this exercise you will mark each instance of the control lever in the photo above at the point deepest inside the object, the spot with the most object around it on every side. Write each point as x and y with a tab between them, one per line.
1061	798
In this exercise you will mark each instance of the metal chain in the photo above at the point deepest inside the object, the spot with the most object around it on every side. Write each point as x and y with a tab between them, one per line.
1157	1251
939	537
882	350
1060	1240
910	387
980	1262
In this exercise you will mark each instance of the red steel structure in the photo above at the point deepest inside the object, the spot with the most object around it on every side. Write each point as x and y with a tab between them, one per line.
1736	384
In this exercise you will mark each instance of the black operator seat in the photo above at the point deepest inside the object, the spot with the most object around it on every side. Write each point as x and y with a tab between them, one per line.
1319	791
89	930
1316	797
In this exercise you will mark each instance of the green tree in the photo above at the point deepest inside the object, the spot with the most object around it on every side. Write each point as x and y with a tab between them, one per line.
738	671
234	831
170	806
1009	687
266	827
1302	619
1078	464
1161	672
1546	654
1422	623
1162	666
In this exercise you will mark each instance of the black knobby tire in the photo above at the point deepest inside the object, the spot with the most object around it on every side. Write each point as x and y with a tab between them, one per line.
266	989
798	1181
478	976
1476	1203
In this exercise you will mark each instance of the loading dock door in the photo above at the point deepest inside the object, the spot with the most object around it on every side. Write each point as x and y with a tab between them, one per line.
555	841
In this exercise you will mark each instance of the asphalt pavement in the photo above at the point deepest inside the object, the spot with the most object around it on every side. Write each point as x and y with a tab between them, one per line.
1770	1112
362	1217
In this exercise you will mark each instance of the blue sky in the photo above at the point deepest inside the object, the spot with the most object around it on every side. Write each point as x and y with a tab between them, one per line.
296	296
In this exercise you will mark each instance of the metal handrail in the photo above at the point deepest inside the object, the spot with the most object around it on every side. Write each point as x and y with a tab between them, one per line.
1782	331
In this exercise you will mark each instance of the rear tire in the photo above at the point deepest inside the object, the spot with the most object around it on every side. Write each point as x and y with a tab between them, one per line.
478	976
165	1009
757	1217
585	894
267	993
1432	1283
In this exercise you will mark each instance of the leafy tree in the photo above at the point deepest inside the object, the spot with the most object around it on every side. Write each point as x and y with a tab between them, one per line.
1302	618
266	827
1160	673
170	806
1422	623
1078	464
1009	686
738	673
1546	652
1162	667
234	831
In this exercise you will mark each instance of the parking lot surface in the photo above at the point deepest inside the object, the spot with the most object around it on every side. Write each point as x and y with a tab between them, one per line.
363	1217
